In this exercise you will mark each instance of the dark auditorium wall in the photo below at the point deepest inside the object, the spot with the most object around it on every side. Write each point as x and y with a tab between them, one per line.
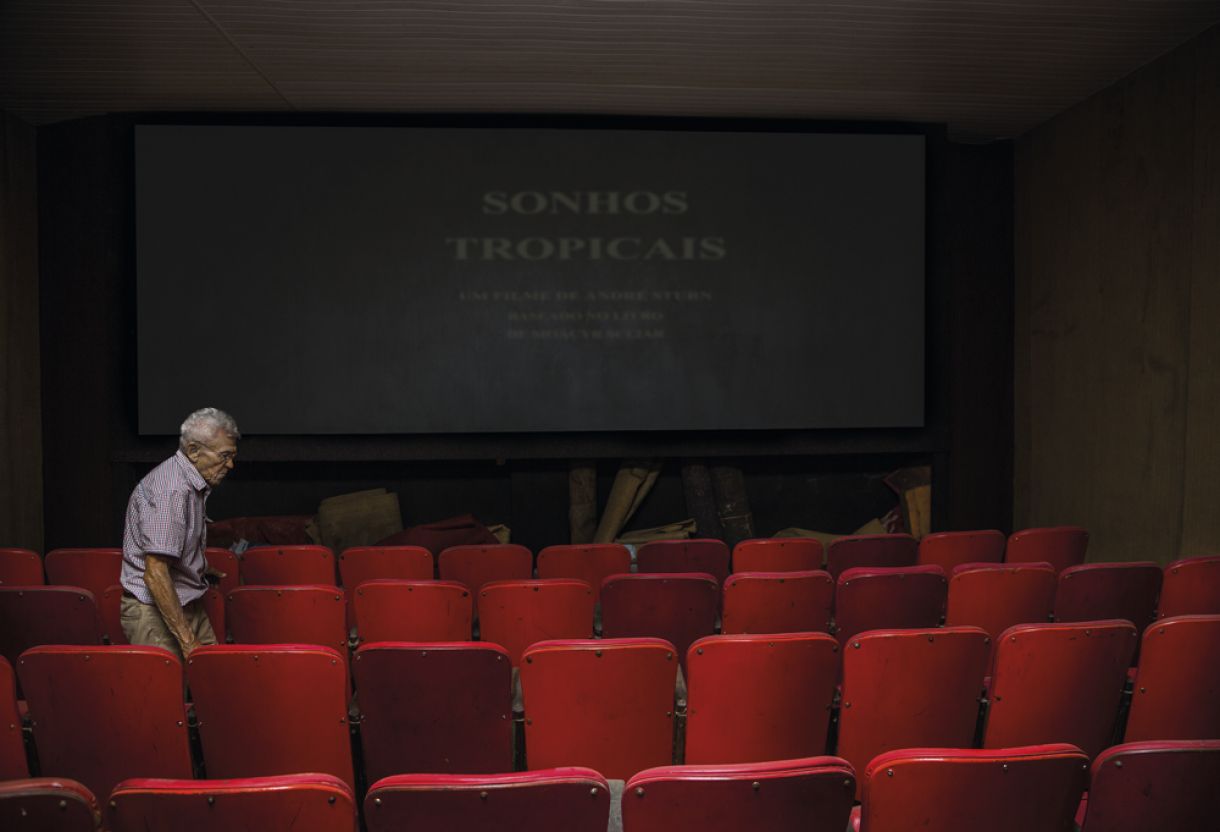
828	480
1117	378
21	521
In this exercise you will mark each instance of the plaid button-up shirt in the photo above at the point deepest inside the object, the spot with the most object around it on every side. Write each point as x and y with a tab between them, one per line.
165	516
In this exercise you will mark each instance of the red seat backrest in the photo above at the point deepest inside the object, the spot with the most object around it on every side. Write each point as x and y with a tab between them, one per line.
1059	683
812	794
1060	546
313	802
214	609
966	790
705	555
1191	587
393	610
92	569
13	764
591	563
870	550
103	714
951	549
778	554
474	566
759	697
34	615
1177	688
1093	591
869	598
287	615
777	602
20	567
568	799
606	704
271	709
435	707
996	596
224	561
678	607
45	803
303	565
367	563
95	570
909	688
516	614
1155	785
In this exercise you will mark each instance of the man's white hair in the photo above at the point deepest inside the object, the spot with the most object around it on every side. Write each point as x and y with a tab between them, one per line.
204	424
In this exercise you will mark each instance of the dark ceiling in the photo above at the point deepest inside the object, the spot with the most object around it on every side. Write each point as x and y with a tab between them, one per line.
986	68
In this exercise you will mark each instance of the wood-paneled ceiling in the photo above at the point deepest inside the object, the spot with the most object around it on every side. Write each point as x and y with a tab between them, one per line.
986	68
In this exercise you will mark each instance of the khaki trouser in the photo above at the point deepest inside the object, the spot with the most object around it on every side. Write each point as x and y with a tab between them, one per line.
142	624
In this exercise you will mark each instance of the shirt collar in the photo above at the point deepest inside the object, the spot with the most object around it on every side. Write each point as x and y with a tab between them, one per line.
192	474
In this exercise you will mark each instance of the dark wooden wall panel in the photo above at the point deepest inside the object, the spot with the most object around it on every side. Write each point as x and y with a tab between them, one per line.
1201	487
1110	218
21	519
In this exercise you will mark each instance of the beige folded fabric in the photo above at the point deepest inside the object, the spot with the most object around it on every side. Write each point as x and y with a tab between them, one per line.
358	519
670	531
632	483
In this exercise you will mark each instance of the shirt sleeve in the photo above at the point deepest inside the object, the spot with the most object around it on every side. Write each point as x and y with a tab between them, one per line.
163	521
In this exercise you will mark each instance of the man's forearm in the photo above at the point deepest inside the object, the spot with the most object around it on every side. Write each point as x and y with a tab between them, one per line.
161	588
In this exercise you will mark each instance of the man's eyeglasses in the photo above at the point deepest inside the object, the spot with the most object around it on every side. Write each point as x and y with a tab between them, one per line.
225	456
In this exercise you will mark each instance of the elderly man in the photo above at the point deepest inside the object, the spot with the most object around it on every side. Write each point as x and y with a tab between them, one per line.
164	538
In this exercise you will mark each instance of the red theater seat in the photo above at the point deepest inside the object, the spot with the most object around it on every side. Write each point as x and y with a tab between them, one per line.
1094	591
697	555
679	607
516	614
968	790
434	707
778	602
303	565
103	714
870	550
591	563
302	802
367	563
1191	587
223	560
393	610
214	609
474	566
778	554
1177	688
287	615
605	704
271	709
868	598
952	549
910	688
567	799
1060	546
34	615
995	596
95	570
759	697
1059	683
813	794
48	804
1145	786
20	567
12	746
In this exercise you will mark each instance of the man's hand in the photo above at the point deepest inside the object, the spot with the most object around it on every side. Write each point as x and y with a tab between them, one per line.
213	572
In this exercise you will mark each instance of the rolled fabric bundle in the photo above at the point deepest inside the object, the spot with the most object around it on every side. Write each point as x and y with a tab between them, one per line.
632	483
582	501
701	499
